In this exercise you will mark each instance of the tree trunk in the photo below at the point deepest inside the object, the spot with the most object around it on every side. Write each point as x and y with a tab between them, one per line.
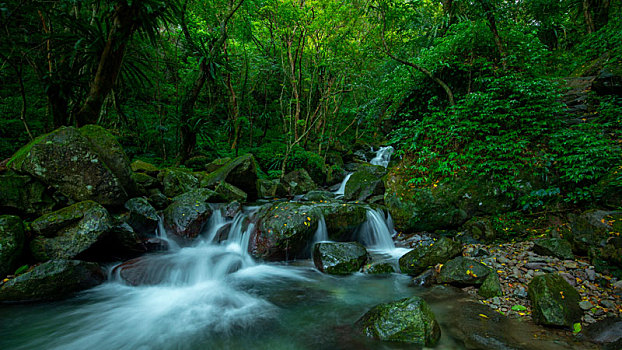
596	14
492	24
188	132
110	62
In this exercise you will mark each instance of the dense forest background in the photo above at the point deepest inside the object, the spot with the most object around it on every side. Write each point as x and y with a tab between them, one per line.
481	89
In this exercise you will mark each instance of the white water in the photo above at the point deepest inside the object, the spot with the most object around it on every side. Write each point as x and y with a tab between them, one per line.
321	233
383	156
377	234
342	188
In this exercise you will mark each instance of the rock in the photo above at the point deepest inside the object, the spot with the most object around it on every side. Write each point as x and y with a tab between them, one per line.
607	333
24	195
75	232
590	229
139	166
342	219
382	268
556	247
125	243
585	305
408	320
145	181
463	271
339	258
143	217
283	230
197	162
177	181
12	240
230	193
240	172
217	164
298	182
481	229
188	212
267	188
554	302
82	168
491	287
55	279
318	196
158	199
366	182
427	255
607	83
426	279
231	210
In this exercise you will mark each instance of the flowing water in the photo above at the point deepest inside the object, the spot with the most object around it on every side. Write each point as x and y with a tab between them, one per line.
342	188
383	156
213	295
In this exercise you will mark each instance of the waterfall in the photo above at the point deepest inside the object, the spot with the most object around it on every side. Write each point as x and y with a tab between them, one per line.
163	235
342	188
375	232
321	234
383	156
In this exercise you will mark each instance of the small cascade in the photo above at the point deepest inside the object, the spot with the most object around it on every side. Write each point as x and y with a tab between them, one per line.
375	232
162	234
321	234
216	222
383	156
342	188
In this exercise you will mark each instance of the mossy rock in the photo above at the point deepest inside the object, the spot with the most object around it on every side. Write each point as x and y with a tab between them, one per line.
463	271
143	216
318	196
284	231
188	212
298	182
408	320
75	232
365	182
267	188
427	255
554	302
198	162
53	280
217	164
139	166
381	268
343	219
592	228
230	193
555	247
339	258
240	172
145	181
491	287
12	240
481	229
24	195
176	181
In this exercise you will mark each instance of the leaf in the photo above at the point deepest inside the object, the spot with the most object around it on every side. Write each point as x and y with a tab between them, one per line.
21	269
576	328
518	308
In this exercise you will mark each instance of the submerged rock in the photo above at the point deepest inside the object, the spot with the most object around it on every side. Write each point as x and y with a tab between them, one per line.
11	243
366	182
72	232
55	279
427	255
188	212
339	258
554	302
556	247
381	268
463	271
408	320
143	217
607	333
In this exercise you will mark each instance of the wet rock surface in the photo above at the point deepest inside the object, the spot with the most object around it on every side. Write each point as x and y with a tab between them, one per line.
340	258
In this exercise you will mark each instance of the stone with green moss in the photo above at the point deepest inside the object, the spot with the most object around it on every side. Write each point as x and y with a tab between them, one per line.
427	255
554	302
555	247
480	228
12	240
339	258
53	280
284	231
176	181
139	166
298	182
73	232
143	217
381	268
408	320
24	195
267	188
70	162
185	216
491	287
364	183
230	193
463	271
217	164
144	180
240	172
342	219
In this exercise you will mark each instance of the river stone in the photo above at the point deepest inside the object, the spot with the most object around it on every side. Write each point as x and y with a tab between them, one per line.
240	172
408	320
12	240
188	212
158	200
427	255
73	164
283	230
463	271
480	228
72	232
342	219
556	247
55	279
24	195
230	193
318	196
554	302
298	182
267	188
145	181
381	268
491	287
607	332
590	229
143	217
339	258
140	166
177	181
364	183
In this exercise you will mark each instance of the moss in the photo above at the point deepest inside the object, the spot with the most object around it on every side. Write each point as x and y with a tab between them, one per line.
12	240
339	258
426	255
554	301
491	287
17	159
463	271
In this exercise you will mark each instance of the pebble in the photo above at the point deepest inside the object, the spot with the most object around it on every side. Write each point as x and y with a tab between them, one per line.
617	285
585	305
570	264
569	278
588	319
608	304
502	260
535	266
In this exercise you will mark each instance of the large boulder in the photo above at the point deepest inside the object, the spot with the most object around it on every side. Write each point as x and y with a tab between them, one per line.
339	258
594	233
555	247
143	217
366	182
298	182
409	320
188	212
55	279
139	166
491	287
463	271
11	243
267	188
91	167
480	228
24	195
177	181
427	255
230	193
75	232
284	230
342	219
240	172
554	302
